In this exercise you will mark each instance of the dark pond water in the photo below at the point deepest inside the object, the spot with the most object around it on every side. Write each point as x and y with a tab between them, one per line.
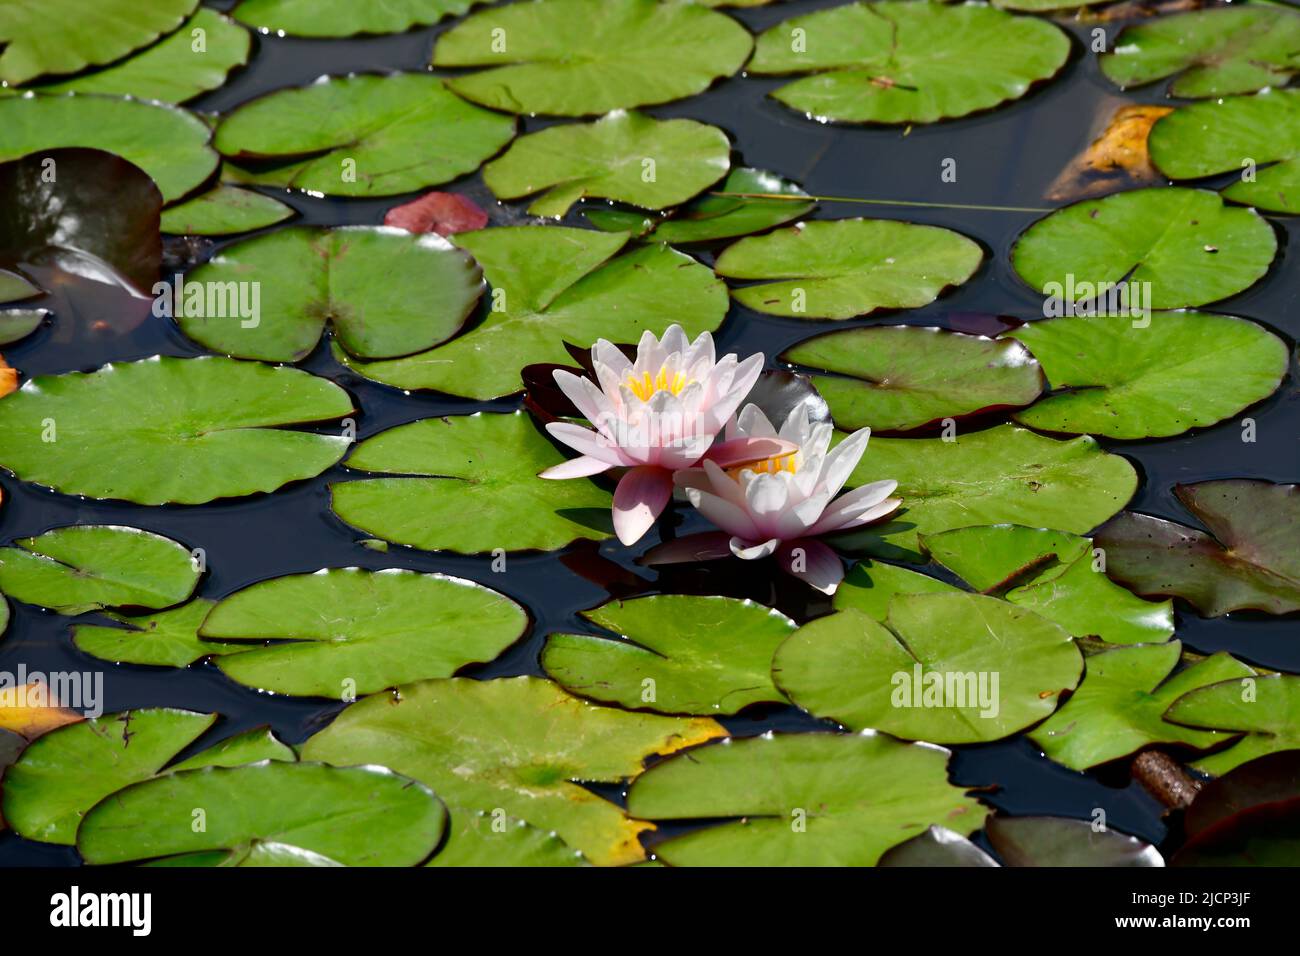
1006	158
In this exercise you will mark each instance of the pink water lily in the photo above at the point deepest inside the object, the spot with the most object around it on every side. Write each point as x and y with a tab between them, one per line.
780	505
655	416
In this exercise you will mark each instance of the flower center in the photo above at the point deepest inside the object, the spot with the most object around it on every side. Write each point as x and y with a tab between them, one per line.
645	386
769	466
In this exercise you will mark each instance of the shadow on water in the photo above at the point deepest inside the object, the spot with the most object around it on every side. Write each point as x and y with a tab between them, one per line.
1008	157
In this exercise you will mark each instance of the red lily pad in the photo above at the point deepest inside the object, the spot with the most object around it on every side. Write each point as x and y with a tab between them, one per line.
443	213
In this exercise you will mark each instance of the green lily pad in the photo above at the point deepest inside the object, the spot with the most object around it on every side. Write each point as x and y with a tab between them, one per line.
345	18
252	746
946	668
587	57
1189	246
1053	574
712	217
681	654
487	839
383	291
357	816
17	324
1208	52
1250	558
88	567
997	476
170	430
848	267
66	36
896	378
364	135
1265	709
223	210
629	157
870	586
1182	371
552	285
1222	135
347	632
516	744
168	143
1118	708
802	799
64	773
172	70
891	62
166	639
470	485
14	288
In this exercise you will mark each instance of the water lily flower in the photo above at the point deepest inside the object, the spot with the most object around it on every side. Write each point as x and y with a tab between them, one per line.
781	504
655	416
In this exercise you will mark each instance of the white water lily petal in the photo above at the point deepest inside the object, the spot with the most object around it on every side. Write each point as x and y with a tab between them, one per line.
748	551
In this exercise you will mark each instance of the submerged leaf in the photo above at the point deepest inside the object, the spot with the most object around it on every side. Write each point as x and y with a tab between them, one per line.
443	213
88	567
343	632
905	62
848	267
1116	158
628	157
168	143
383	292
515	743
897	378
1250	558
170	430
587	57
801	799
469	483
97	206
680	654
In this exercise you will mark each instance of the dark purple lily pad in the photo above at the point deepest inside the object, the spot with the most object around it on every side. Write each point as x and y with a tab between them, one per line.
1026	841
64	205
1248	817
1250	558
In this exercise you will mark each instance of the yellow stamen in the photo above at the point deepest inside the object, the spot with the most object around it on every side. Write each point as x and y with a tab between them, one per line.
769	466
645	386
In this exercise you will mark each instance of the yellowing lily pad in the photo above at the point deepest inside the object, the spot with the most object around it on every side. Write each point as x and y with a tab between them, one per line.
517	744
